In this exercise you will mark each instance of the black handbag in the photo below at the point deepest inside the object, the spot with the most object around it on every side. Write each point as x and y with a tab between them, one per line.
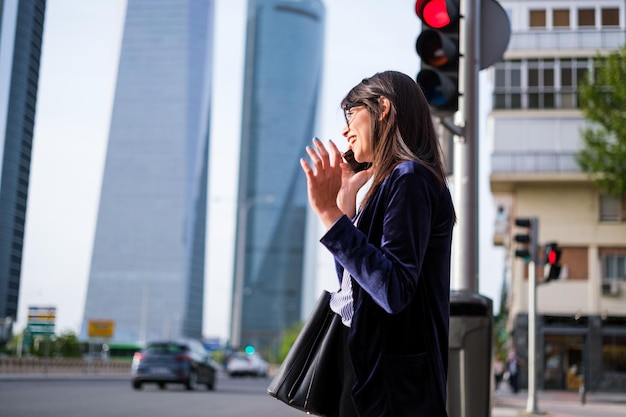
308	379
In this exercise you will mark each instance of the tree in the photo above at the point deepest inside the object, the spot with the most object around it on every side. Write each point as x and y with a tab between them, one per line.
67	345
603	103
288	340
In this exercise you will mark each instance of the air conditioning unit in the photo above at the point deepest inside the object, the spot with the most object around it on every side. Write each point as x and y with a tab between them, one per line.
610	287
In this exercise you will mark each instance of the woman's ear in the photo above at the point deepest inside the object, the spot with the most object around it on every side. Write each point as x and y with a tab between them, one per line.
385	106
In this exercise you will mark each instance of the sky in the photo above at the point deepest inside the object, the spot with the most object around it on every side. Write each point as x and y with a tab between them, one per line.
78	70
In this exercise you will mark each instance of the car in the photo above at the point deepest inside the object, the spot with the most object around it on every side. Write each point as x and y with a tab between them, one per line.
247	364
183	361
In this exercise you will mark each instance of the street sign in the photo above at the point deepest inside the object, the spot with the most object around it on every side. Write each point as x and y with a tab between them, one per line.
41	314
41	320
100	328
41	329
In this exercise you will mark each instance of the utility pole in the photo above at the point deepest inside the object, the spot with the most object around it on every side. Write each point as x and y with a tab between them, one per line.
529	241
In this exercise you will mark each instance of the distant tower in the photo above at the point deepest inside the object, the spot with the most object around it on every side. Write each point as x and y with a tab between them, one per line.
147	268
283	74
21	32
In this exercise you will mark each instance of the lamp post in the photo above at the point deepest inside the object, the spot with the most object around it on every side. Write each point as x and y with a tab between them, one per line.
240	257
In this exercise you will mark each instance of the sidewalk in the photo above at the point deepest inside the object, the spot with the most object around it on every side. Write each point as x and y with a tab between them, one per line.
559	404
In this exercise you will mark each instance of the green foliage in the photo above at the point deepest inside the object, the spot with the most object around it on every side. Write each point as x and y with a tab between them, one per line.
67	345
603	103
64	345
290	336
500	333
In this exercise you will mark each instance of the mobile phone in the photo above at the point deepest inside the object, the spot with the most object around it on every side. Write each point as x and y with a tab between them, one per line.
354	164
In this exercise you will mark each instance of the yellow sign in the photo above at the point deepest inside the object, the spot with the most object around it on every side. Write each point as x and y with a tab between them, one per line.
100	328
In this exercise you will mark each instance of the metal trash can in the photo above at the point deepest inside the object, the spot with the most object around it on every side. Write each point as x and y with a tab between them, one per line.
469	355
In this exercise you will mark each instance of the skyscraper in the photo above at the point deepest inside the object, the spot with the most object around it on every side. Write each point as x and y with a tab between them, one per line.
147	268
283	74
21	32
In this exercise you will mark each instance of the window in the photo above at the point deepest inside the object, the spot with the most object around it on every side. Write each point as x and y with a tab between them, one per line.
614	353
539	83
614	267
610	17
508	84
586	18
537	18
611	209
560	18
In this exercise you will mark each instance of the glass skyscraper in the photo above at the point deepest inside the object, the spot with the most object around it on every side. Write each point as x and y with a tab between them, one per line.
21	32
283	75
147	267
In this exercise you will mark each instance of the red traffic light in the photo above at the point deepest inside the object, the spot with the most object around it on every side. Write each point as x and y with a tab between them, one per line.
552	253
552	257
437	13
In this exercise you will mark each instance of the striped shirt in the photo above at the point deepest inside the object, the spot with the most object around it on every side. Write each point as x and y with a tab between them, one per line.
341	301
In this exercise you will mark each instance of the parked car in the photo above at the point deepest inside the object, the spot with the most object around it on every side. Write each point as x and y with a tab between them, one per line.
184	362
244	364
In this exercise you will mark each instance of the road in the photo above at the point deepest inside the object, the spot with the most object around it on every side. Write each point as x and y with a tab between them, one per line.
114	397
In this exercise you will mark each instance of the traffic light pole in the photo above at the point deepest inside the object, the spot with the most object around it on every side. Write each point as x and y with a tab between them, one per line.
531	404
465	272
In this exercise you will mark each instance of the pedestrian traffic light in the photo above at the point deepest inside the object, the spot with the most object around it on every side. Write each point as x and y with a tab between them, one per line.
552	268
438	48
527	249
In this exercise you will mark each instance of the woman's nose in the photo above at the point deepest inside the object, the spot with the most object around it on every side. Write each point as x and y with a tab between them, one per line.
345	130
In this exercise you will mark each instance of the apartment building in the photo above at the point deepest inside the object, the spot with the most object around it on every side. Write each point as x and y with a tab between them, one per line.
535	132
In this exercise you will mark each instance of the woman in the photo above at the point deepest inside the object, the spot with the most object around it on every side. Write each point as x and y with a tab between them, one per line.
393	257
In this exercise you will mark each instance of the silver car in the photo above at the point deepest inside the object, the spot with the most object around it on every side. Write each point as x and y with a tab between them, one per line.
184	362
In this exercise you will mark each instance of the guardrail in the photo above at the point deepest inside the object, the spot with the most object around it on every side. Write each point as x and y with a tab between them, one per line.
11	365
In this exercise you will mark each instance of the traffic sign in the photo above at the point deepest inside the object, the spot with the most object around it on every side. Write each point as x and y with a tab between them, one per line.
100	328
41	329
41	320
41	314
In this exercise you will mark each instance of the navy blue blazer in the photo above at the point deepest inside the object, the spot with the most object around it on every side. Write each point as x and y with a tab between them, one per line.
399	259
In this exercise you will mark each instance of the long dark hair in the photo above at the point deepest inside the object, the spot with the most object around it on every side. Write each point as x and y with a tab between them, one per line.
406	134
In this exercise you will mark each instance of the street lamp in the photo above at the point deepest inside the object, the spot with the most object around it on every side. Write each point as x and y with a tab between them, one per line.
240	256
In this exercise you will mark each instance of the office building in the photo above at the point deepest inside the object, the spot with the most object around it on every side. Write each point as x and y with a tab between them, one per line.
535	129
21	33
147	267
283	75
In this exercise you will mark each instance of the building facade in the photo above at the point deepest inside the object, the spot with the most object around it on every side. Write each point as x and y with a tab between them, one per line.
535	128
21	33
283	75
147	267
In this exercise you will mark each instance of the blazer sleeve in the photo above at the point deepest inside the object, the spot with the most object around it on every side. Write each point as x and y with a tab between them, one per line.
388	269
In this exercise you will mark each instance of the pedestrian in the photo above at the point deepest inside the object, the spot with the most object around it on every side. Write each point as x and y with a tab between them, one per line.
512	365
391	249
498	371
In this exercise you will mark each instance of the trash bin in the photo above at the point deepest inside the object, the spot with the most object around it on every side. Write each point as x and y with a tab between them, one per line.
469	355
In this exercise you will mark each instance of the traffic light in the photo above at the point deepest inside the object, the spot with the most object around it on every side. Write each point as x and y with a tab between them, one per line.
438	48
552	268
527	239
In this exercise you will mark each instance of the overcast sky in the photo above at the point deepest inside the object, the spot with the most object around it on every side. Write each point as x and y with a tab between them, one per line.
77	77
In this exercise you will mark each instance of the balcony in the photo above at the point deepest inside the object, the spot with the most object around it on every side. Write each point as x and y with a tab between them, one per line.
534	162
567	40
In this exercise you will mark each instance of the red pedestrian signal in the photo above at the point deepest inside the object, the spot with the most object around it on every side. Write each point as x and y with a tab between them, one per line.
552	268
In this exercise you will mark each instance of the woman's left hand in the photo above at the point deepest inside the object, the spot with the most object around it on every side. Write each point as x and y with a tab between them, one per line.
323	180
